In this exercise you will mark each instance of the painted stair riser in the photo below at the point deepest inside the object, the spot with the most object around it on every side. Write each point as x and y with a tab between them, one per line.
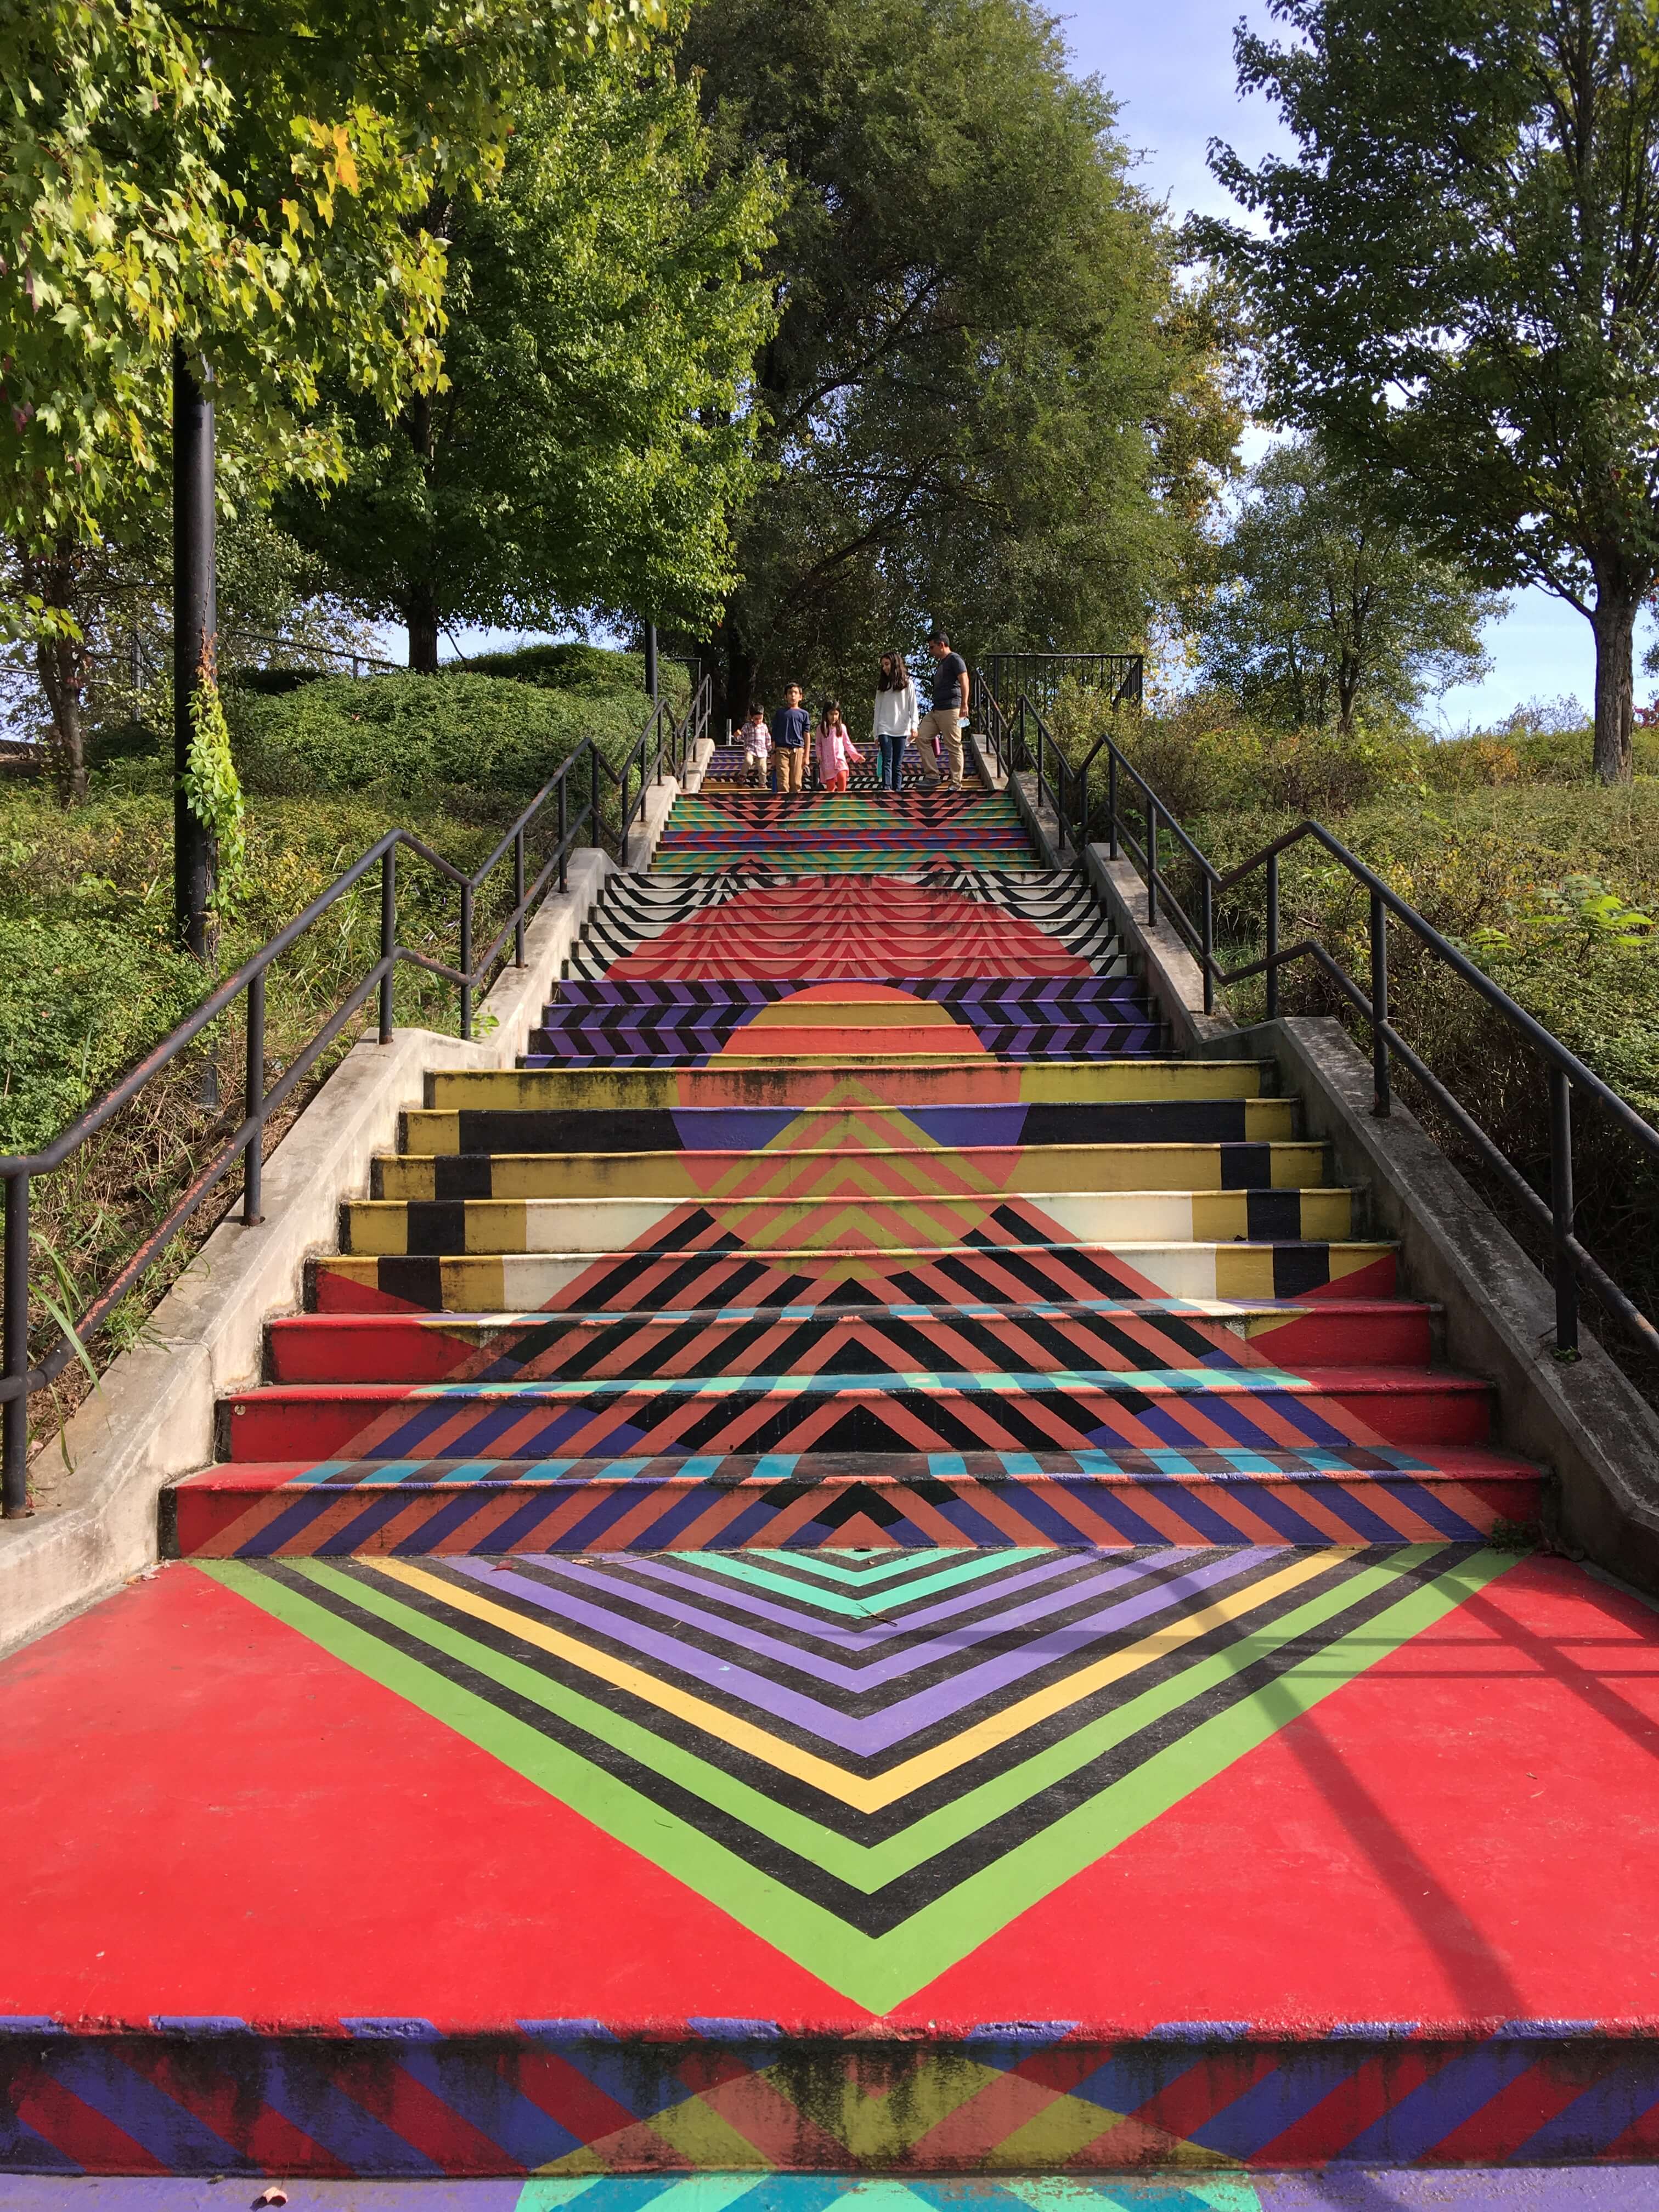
390	2099
484	1509
825	859
852	1222
429	1348
1125	1039
1262	1409
950	1080
851	1170
1048	992
701	1129
741	1274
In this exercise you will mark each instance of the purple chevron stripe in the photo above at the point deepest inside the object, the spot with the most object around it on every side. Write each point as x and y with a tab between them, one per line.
867	1737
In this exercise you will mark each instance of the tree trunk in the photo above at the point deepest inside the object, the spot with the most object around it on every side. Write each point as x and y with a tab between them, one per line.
60	665
421	614
1614	625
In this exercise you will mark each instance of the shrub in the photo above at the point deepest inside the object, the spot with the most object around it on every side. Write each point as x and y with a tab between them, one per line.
415	737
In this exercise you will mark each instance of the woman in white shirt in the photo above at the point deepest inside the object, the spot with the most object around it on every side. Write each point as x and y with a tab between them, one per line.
895	718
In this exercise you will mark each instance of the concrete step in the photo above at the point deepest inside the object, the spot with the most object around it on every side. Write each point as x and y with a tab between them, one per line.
1099	1408
817	1500
715	1128
854	1165
945	1080
724	1270
412	1347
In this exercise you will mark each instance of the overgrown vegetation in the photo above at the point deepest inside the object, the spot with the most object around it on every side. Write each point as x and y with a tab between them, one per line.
1508	845
90	979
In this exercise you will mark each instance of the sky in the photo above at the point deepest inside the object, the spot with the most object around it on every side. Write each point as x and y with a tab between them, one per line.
1170	68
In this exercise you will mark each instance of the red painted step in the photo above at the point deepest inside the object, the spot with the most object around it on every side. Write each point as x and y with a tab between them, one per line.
433	1348
322	1421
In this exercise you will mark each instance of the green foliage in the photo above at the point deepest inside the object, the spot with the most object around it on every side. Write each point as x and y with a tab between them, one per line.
253	190
491	740
1457	278
1325	609
580	668
590	445
213	791
988	400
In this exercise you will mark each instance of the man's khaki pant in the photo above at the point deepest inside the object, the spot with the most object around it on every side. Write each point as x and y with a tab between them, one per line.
792	763
944	723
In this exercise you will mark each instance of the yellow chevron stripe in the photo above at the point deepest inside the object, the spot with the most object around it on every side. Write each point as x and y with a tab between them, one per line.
871	1794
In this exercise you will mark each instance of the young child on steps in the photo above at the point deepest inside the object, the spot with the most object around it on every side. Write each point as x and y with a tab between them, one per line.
756	745
837	756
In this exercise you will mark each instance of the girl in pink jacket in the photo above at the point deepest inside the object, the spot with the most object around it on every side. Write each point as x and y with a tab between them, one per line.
837	756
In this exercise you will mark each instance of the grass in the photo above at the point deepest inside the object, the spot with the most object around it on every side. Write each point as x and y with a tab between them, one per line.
1507	846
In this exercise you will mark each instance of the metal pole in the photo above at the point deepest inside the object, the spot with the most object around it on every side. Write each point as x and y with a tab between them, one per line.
1112	853
564	827
1272	937
254	1098
1561	1213
517	899
1381	1102
466	959
14	1486
1209	946
651	658
195	621
1151	859
388	936
595	835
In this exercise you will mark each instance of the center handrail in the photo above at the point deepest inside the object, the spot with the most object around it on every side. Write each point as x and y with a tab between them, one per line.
663	745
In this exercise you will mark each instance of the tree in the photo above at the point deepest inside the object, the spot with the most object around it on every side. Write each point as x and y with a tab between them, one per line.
589	445
1458	283
988	401
1325	608
246	185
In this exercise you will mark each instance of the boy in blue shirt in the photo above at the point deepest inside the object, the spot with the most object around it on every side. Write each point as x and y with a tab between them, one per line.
789	741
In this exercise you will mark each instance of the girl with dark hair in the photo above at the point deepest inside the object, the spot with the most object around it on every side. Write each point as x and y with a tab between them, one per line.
837	755
895	718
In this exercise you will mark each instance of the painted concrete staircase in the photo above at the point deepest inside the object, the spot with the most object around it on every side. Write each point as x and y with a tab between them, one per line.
852	1568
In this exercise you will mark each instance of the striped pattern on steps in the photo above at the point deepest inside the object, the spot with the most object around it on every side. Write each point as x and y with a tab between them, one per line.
788	1231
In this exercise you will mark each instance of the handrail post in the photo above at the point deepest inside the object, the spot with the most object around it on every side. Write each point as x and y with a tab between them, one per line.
466	960
1112	852
564	826
1382	1104
1561	1213
14	1481
596	835
253	1094
517	897
1272	937
1152	859
388	937
1209	945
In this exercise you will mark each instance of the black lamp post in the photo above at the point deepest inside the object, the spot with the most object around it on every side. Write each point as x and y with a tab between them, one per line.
195	622
651	660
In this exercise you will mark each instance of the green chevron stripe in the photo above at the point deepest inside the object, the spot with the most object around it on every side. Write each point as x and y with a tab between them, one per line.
876	1971
971	1566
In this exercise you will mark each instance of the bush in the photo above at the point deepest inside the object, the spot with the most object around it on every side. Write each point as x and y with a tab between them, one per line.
423	738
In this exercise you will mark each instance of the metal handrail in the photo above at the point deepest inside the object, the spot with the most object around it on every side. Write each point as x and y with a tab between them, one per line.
662	745
1122	674
1141	834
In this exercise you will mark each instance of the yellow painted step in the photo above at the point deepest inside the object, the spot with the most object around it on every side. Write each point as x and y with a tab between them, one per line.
874	1170
955	1080
876	1223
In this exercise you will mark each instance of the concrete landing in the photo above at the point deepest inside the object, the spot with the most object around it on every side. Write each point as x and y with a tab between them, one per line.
1017	1861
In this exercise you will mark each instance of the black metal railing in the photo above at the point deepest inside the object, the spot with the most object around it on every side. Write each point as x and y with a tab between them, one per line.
1039	676
1020	742
1136	822
570	807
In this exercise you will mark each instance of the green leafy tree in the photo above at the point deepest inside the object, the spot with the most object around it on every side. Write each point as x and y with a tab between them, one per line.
248	185
988	400
1325	608
588	447
1457	282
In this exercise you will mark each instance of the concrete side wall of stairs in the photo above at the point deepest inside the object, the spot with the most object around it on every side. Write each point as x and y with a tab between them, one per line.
1584	1420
